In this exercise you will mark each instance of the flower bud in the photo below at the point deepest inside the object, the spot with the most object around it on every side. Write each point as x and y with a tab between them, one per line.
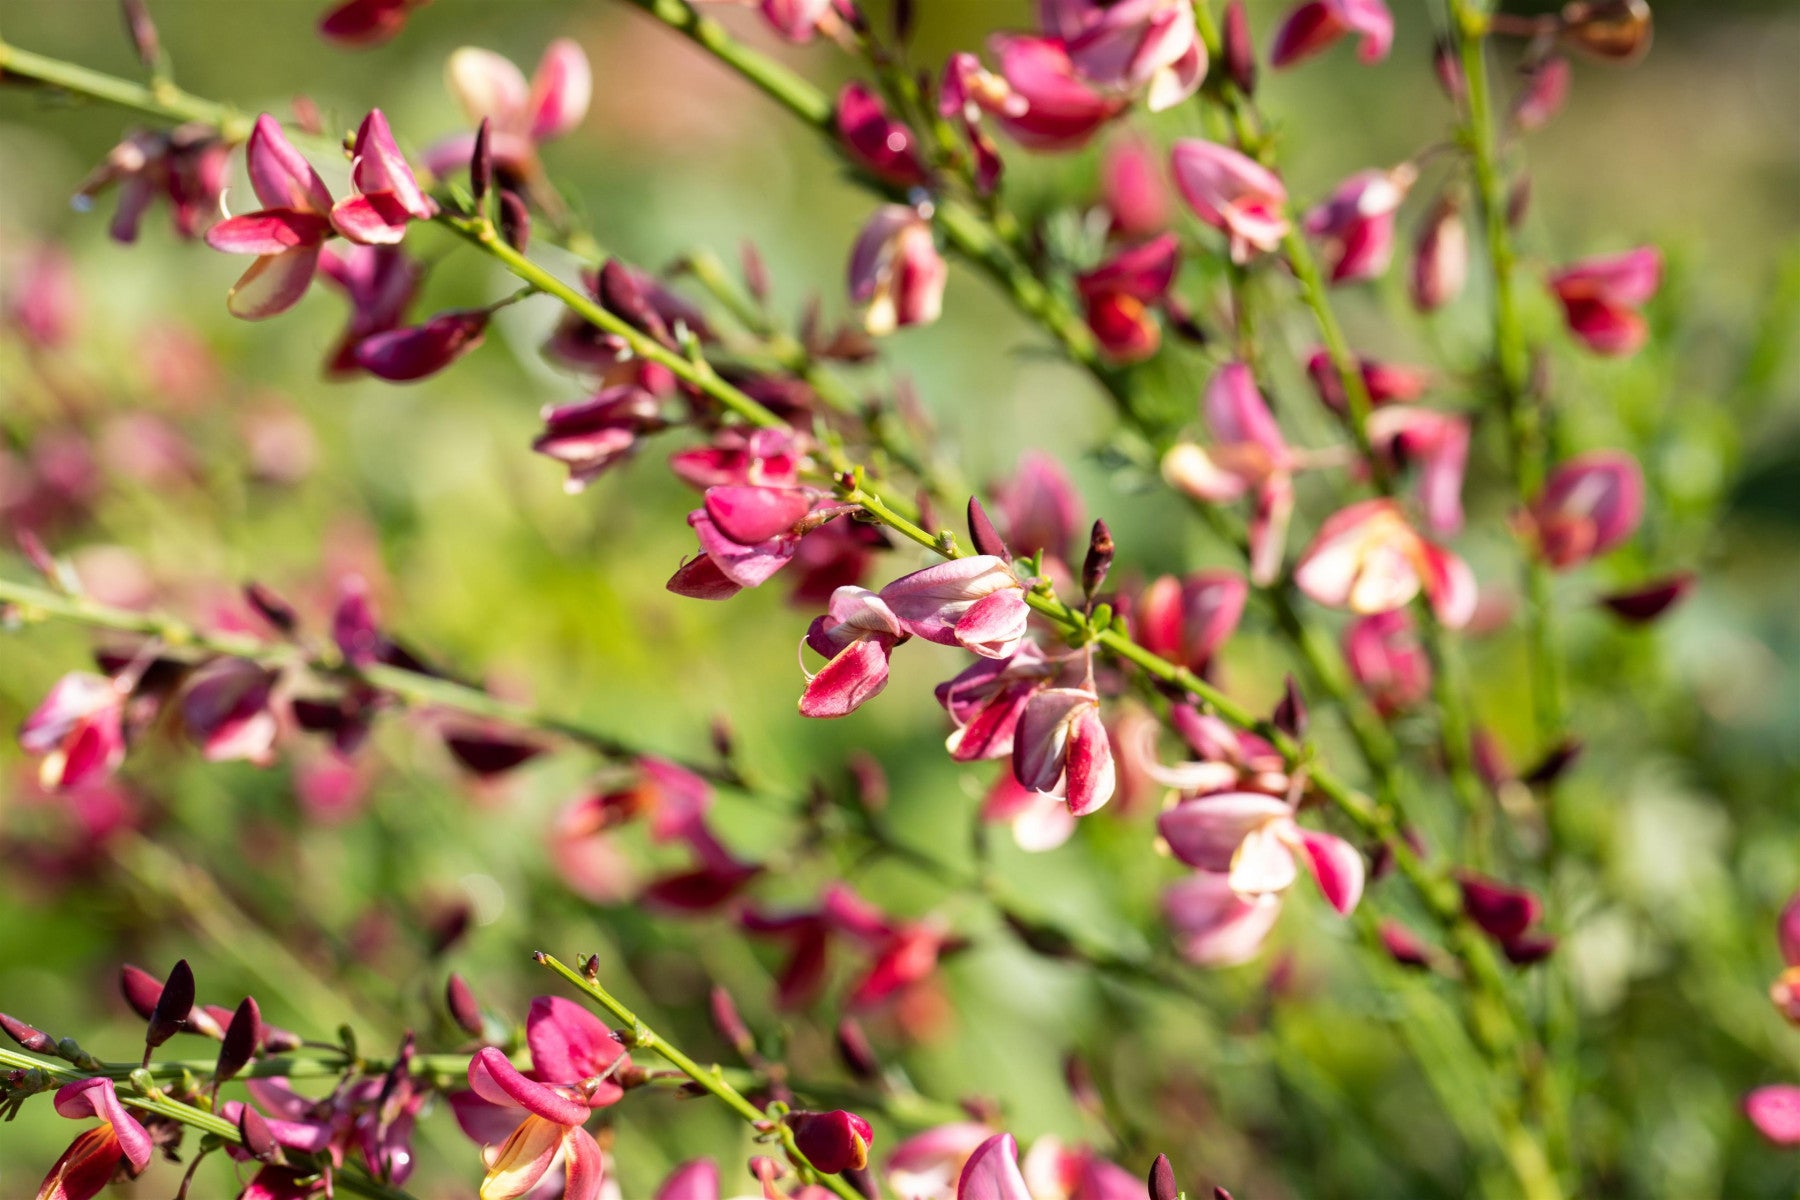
622	296
169	1016
1646	603
1618	30
1236	50
462	1006
1290	711
1503	913
730	1023
1402	945
1448	69
1784	993
34	1040
143	34
1550	768
253	1132
875	141
481	166
271	607
1162	1175
854	1050
241	1039
982	534
1440	265
1099	558
487	755
1545	91
515	220
412	353
756	272
833	1141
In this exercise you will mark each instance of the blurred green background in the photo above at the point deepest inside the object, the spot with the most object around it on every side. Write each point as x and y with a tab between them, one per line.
1681	819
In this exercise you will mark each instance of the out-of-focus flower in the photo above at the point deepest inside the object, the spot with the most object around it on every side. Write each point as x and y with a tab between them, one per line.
413	352
1187	620
1132	189
695	1180
896	273
1387	661
799	21
521	115
1139	46
591	435
1617	30
1545	89
1440	262
1231	192
78	729
903	953
1356	223
1039	821
380	282
1041	99
187	164
1247	455
1509	915
286	235
1213	925
1590	504
1651	600
42	302
1314	26
926	1166
1438	443
881	145
975	602
91	1161
384	196
1385	382
1601	298
1055	1171
1118	296
856	636
1255	842
1775	1112
1368	559
364	23
1061	748
226	709
1039	507
992	1172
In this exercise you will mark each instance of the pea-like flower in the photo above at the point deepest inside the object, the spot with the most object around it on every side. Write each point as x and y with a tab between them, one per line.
1313	27
1232	192
93	1158
286	234
1368	559
896	273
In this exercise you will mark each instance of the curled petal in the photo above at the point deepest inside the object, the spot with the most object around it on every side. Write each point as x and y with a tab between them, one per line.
583	1162
854	676
992	1172
273	284
1337	867
280	174
496	1080
1206	832
272	231
97	1098
561	88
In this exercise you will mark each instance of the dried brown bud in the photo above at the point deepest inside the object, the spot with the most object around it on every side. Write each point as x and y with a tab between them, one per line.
982	534
1618	30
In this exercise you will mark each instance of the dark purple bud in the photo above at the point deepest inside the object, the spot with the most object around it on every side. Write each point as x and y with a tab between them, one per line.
353	625
1644	604
756	272
854	1050
34	1040
481	166
832	1141
271	608
515	220
1529	948
730	1024
414	352
1504	913
1099	559
1162	1175
140	989
723	744
1402	945
487	755
1236	48
863	1180
982	534
170	1014
242	1037
1080	1082
1290	711
142	29
463	1008
1554	764
903	21
621	295
253	1132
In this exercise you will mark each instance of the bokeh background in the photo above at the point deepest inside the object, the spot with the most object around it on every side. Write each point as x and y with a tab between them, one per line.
199	452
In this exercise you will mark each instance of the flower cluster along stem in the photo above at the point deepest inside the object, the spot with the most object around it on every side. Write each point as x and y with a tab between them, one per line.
640	1036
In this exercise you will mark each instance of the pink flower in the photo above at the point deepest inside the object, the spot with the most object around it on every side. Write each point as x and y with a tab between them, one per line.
384	196
1440	263
696	1180
975	602
857	634
1149	46
521	115
1601	296
187	164
1387	661
91	1161
904	954
548	1130
799	20
286	235
1187	620
1213	925
1039	821
1438	443
1119	294
380	283
969	90
592	435
881	145
1313	26
1590	504
992	1172
1231	192
1046	103
926	1165
1132	189
1384	382
1061	748
1054	1171
1368	559
42	302
1254	841
413	352
1356	223
78	730
896	273
1248	455
364	23
1775	1111
1039	507
987	700
732	514
226	709
1546	89
832	1141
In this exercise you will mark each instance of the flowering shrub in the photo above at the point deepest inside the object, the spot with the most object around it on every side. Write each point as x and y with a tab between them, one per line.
1270	888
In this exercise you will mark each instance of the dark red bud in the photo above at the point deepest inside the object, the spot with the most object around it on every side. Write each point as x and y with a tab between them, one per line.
1403	946
1236	48
412	353
140	989
1554	764
271	608
34	1040
486	755
253	1132
1644	604
448	927
903	21
982	534
1099	559
1529	948
170	1014
241	1039
515	220
1220	1193
730	1023
142	29
1162	1175
1080	1082
833	1141
857	1054
481	166
462	1005
1504	913
621	295
1290	711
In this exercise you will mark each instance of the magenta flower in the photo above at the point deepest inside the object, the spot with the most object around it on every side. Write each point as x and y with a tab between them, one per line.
1775	1111
1601	296
1045	103
41	299
521	115
1509	915
1387	661
1039	821
1545	91
91	1161
1061	748
1313	27
879	144
1651	600
799	21
286	235
903	954
1440	262
591	435
1213	925
1248	456
1132	189
414	352
832	1141
1438	443
1589	505
695	1180
384	196
1255	842
1356	223
1385	382
79	731
992	1172
896	273
926	1165
364	23
1147	46
1039	507
226	709
380	282
987	699
975	602
1366	558
576	1056
1231	192
1187	620
1054	1171
856	636
187	164
1119	294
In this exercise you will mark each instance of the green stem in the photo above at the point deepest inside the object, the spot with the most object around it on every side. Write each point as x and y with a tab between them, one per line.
711	1079
166	101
